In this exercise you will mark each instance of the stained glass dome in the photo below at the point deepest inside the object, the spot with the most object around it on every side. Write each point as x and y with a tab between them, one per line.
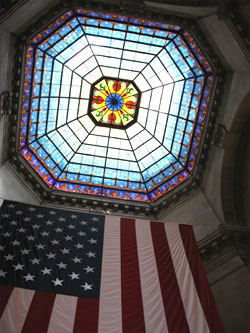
113	106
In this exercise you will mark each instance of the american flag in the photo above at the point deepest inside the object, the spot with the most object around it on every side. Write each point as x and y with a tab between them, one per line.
66	271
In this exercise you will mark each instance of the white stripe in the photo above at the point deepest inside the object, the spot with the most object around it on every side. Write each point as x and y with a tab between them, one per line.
154	313
63	314
16	310
194	313
110	312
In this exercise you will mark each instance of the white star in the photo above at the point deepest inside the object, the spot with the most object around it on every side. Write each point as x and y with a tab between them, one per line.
83	223
87	286
2	247
19	212
35	261
57	282
58	230
90	254
71	226
77	260
5	215
46	271
40	246
11	206
93	229
13	222
89	269
31	238
81	233
65	251
6	234
79	246
21	230
2	273
32	209
62	219
95	219
18	266
35	226
74	276
40	216
29	277
55	242
45	234
73	216
62	265
92	241
67	238
9	257
51	255
16	243
27	219
52	212
25	251
49	222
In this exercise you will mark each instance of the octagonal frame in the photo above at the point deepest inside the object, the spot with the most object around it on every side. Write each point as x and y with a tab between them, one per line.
142	208
112	125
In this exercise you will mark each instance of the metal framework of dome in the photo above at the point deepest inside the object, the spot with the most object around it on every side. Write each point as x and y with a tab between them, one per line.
113	106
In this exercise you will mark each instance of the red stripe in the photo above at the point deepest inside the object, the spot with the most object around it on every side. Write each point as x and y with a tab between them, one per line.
86	318
39	313
174	310
5	292
132	306
200	279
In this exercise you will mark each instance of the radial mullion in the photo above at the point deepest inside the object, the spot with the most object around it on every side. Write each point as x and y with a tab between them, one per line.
68	161
86	35
142	177
105	163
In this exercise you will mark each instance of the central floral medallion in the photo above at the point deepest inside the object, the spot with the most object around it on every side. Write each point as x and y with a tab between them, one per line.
114	103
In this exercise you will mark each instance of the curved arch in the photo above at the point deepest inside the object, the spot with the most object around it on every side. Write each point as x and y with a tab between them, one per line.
235	174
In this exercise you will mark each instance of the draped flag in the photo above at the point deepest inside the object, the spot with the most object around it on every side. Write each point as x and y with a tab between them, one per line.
66	271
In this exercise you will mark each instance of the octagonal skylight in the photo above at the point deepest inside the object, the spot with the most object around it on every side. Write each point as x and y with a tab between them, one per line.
153	86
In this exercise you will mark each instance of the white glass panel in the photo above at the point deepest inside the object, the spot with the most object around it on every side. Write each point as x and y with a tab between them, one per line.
102	131
93	75
156	98
85	89
166	98
151	121
73	108
87	123
142	116
117	133
83	107
133	130
108	71
141	82
127	74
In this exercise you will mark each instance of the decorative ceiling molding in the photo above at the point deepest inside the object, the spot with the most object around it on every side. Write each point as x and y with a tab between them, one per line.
236	14
8	7
227	242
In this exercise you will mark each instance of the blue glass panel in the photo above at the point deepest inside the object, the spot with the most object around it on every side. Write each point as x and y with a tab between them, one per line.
64	30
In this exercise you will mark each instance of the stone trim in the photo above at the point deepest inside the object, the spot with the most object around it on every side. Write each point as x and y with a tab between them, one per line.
8	7
225	243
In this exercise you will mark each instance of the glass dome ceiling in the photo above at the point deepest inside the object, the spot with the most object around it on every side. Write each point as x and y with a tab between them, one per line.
113	106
